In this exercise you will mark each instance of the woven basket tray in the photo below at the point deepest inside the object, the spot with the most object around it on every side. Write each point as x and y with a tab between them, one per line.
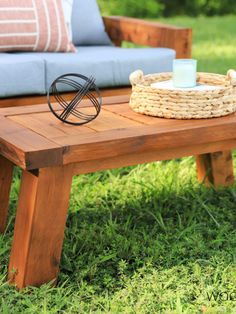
184	104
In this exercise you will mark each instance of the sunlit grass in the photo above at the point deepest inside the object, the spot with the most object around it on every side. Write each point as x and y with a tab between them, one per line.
214	41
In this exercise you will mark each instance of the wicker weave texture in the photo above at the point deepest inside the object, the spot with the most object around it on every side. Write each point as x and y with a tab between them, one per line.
184	104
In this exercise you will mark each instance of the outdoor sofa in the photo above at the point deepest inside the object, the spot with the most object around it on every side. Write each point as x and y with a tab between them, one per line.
26	76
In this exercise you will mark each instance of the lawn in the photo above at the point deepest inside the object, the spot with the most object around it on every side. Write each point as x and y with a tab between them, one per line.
144	239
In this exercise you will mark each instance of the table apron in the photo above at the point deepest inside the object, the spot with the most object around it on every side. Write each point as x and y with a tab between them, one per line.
150	156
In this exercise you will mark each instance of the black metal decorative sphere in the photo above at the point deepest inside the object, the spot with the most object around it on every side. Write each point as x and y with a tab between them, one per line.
75	111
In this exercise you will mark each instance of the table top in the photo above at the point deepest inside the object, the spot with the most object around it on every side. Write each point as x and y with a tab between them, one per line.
32	137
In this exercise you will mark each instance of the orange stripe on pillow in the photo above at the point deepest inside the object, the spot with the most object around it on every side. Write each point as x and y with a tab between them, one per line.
16	3
19	40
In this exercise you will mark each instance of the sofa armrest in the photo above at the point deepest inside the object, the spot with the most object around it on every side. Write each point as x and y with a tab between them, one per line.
151	34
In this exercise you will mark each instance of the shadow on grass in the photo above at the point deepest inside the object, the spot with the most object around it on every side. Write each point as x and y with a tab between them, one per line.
135	240
159	225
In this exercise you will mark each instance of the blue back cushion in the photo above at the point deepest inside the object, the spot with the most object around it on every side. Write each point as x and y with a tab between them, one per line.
87	24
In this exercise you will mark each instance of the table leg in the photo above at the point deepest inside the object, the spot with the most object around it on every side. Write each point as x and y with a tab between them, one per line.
215	168
6	171
39	227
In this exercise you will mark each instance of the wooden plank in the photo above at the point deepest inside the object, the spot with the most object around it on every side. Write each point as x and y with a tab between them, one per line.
47	125
39	227
110	121
39	108
150	156
22	137
161	126
151	34
21	146
42	99
124	110
115	135
215	168
136	140
44	158
6	171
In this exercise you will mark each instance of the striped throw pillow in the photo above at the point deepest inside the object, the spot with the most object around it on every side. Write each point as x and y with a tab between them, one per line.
33	25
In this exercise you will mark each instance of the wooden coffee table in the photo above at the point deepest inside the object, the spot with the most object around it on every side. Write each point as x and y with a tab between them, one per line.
50	153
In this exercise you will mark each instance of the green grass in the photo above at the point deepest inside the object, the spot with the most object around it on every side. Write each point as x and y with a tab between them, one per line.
144	239
214	41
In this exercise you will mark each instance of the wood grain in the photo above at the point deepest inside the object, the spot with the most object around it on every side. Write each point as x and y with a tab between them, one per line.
151	156
147	33
25	148
41	108
110	121
39	226
127	112
215	168
6	170
34	139
135	140
47	125
42	99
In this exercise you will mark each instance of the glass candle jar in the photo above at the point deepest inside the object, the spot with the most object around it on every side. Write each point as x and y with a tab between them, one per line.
184	72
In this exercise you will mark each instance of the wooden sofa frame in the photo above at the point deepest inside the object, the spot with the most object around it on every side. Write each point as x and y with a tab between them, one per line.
151	34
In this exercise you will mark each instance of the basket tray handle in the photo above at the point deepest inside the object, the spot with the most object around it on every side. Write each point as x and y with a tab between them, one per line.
231	75
136	77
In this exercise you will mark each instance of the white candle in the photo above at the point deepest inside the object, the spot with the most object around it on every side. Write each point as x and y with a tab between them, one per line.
184	72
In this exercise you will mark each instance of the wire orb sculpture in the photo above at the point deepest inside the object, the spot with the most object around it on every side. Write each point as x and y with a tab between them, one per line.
75	111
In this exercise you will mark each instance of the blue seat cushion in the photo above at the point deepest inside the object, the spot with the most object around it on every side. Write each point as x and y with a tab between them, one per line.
87	24
111	66
21	74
